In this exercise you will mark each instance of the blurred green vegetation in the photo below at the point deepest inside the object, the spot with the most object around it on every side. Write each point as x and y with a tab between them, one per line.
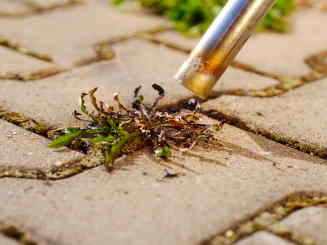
193	17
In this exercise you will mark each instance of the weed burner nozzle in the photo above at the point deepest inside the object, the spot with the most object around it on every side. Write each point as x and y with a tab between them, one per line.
221	43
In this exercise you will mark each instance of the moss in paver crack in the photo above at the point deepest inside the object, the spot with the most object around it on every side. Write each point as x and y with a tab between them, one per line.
122	131
267	218
24	122
193	17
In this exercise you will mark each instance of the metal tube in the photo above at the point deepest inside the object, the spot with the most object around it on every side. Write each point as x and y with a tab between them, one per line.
221	43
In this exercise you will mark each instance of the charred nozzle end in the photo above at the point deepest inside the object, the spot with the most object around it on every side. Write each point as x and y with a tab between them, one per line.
200	84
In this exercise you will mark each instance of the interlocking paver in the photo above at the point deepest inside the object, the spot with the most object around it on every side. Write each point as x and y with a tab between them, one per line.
277	53
299	115
6	241
263	238
20	148
132	206
15	63
12	6
68	35
49	3
137	63
308	222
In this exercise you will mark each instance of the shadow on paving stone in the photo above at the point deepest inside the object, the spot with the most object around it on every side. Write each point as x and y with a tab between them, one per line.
297	118
133	205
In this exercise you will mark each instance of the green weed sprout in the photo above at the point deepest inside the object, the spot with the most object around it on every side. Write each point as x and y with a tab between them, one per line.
125	130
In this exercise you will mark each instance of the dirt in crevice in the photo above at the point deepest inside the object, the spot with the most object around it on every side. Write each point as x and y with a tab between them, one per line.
265	219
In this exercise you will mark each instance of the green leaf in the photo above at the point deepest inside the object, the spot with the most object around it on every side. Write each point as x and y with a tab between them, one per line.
163	152
65	139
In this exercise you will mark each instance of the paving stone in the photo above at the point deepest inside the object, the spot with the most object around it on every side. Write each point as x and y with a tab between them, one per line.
76	30
52	100
49	3
15	63
308	222
22	148
299	115
12	6
5	241
274	52
284	54
136	206
263	238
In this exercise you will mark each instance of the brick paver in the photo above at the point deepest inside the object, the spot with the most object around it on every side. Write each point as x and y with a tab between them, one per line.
263	238
12	6
136	206
15	63
273	52
157	65
299	116
25	149
308	222
216	186
6	241
68	35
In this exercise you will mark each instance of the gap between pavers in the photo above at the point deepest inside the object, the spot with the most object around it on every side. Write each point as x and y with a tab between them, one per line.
68	35
15	63
131	205
263	238
276	53
308	222
298	117
137	62
21	148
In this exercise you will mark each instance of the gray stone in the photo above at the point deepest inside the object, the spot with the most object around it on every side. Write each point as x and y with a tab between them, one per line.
263	238
25	149
137	62
135	205
308	222
299	115
69	34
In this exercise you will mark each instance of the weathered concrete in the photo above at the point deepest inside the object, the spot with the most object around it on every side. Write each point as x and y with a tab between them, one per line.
309	222
25	149
53	100
263	238
136	206
299	115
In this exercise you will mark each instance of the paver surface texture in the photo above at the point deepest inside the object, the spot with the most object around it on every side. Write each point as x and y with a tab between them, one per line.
7	241
52	51
309	222
263	238
134	205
